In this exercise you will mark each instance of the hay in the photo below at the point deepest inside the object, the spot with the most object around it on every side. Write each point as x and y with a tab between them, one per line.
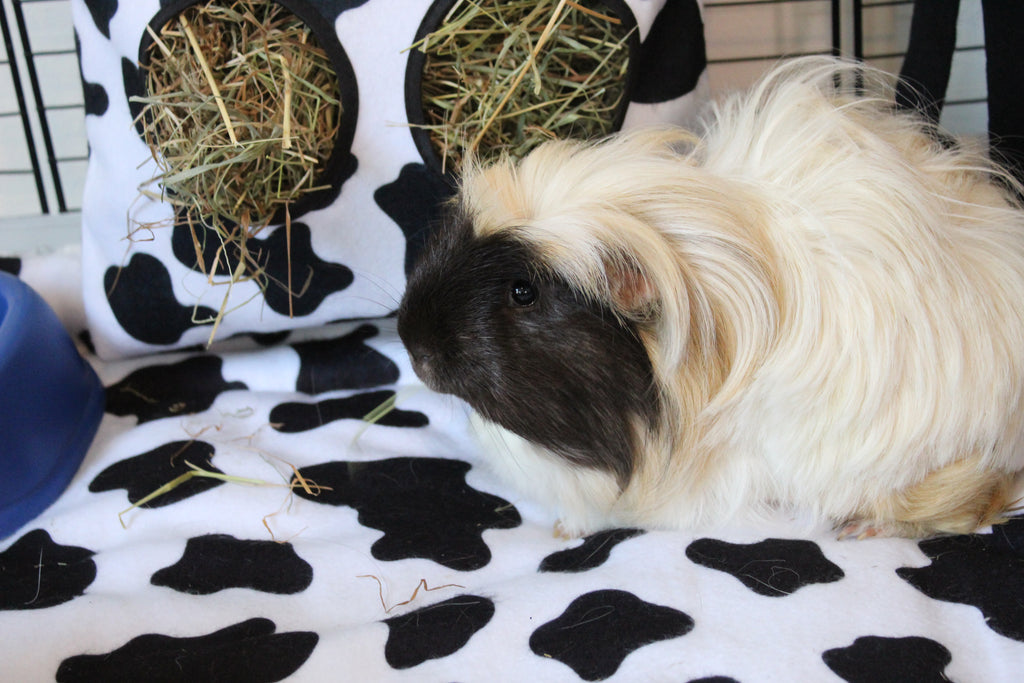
501	76
242	110
310	487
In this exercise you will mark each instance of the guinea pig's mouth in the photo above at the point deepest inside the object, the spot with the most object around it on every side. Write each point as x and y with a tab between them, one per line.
424	365
430	369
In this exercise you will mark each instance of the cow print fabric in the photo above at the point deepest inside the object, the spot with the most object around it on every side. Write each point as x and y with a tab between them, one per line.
217	562
348	247
248	651
772	567
36	573
598	630
317	546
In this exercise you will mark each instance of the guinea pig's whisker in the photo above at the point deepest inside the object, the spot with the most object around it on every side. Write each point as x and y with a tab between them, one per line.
389	290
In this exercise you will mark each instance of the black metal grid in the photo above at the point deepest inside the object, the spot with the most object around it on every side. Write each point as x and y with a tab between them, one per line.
48	164
863	8
835	36
10	64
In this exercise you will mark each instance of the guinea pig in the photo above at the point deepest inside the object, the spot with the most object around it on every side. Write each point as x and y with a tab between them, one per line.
816	304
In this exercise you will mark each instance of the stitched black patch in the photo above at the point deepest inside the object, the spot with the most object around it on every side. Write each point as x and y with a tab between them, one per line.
102	12
94	95
413	201
600	629
35	572
301	417
217	561
332	9
142	299
157	391
983	570
345	362
873	659
673	56
423	506
773	567
593	552
142	474
10	264
435	631
313	279
134	83
247	651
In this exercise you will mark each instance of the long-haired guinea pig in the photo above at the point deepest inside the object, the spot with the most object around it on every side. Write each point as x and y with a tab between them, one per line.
816	304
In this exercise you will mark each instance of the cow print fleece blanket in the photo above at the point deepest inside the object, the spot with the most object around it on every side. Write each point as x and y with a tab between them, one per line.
403	559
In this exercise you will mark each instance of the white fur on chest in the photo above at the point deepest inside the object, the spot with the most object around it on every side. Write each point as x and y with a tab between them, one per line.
582	498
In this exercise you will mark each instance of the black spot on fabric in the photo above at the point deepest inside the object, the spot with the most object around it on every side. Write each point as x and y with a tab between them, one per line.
312	278
102	12
158	391
134	85
593	552
715	679
269	338
250	651
94	95
332	9
344	362
983	570
673	56
35	572
215	562
423	506
96	100
600	629
10	264
873	659
773	567
435	631
413	201
85	337
143	474
300	417
142	299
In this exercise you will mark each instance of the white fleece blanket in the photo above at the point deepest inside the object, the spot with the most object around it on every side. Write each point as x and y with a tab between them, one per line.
407	561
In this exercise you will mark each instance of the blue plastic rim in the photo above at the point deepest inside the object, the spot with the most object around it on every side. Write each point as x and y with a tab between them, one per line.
51	403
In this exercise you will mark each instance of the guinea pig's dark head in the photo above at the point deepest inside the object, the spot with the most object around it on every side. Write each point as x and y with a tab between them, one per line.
485	320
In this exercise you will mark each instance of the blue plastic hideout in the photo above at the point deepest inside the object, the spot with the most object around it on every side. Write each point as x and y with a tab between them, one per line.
51	402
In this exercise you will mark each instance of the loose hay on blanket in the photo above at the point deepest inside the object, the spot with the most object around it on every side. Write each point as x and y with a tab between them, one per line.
241	112
307	485
500	77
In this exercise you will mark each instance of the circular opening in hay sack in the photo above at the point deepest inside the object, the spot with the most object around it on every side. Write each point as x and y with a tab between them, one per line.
501	76
242	109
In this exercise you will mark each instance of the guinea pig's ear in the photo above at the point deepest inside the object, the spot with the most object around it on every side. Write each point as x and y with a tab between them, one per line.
632	292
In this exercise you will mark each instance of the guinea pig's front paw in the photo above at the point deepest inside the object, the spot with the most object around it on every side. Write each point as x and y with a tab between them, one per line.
565	532
858	529
861	529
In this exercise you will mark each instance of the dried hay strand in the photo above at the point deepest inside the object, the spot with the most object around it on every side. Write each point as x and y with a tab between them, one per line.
501	76
242	108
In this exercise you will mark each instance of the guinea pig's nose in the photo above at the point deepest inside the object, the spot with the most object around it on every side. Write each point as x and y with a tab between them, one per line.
418	354
420	358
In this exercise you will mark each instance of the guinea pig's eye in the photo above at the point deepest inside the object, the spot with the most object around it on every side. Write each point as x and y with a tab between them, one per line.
521	293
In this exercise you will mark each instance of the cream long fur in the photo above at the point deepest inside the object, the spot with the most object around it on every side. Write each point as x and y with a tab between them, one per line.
832	300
